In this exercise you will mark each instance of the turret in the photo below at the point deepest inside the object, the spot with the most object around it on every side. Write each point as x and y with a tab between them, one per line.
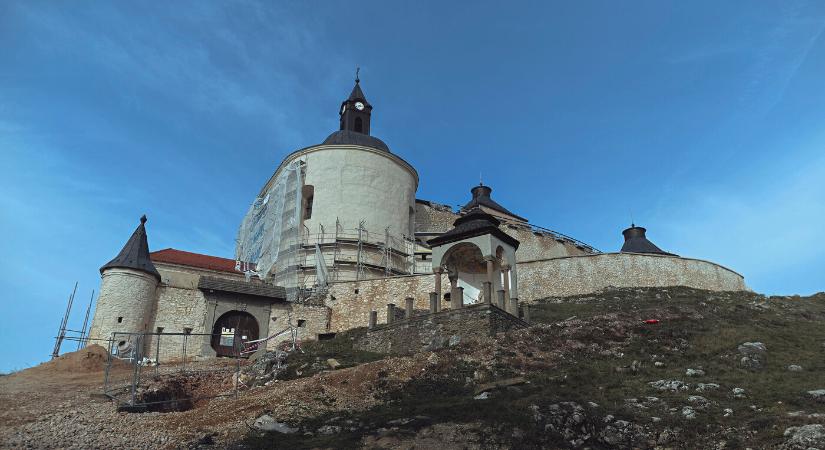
635	241
127	291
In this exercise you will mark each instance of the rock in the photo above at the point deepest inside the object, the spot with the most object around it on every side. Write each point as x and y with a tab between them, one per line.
805	437
333	363
695	372
329	429
670	385
659	364
738	392
794	368
432	359
699	401
727	412
688	413
267	423
482	396
753	355
702	387
454	340
817	395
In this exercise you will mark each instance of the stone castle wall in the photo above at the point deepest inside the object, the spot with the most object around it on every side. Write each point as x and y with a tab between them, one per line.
432	331
351	302
591	273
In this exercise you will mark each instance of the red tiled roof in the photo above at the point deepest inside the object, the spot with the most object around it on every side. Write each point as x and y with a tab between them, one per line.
174	256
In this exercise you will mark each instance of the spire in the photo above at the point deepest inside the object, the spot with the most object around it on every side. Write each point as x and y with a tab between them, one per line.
357	93
135	254
356	110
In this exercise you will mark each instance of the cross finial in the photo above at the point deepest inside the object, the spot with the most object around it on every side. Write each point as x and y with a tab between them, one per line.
357	72
480	180
143	219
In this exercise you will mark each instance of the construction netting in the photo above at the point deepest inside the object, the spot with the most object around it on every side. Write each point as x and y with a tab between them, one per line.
269	236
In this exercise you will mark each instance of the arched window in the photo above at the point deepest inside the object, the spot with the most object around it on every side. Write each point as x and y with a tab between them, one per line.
359	126
308	194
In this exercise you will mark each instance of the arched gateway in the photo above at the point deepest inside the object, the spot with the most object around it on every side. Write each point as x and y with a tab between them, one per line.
231	330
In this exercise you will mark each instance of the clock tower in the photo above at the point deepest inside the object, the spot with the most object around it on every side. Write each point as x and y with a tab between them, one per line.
355	111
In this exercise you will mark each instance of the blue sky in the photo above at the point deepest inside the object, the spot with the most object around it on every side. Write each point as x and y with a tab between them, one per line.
702	120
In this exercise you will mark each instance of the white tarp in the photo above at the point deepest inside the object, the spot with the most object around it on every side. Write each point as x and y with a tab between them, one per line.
269	233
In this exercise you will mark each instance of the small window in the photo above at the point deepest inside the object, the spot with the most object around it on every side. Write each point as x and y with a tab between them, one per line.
120	320
160	330
356	290
187	331
447	297
301	323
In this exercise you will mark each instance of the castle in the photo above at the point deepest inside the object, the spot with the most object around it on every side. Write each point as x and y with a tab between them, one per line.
337	234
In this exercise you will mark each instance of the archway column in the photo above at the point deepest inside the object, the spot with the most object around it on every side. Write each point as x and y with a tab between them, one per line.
488	286
437	273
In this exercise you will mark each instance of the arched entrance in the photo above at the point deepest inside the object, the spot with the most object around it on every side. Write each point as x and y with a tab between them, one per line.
231	330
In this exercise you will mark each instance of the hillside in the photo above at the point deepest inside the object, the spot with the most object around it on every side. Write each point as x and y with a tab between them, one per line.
629	368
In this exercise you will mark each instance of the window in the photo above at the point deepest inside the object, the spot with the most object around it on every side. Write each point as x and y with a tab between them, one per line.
359	125
447	297
187	331
308	195
356	290
160	330
301	323
120	320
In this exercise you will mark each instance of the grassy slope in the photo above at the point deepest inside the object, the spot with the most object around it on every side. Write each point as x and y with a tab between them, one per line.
698	329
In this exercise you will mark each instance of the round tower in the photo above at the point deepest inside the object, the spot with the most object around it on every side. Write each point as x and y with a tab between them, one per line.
127	291
350	195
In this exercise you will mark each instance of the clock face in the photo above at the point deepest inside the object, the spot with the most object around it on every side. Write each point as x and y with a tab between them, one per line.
359	106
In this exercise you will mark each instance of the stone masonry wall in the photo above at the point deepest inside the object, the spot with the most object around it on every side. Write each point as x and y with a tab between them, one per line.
587	274
433	331
124	305
351	302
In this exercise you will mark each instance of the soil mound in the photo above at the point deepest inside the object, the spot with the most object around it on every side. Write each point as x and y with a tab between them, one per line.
90	359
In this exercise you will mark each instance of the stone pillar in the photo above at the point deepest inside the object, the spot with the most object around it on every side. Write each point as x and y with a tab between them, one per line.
437	273
491	264
454	294
373	319
433	302
390	312
505	273
410	305
488	292
501	300
460	299
526	310
514	306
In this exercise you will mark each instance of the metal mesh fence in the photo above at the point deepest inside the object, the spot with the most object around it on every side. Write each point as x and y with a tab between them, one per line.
159	372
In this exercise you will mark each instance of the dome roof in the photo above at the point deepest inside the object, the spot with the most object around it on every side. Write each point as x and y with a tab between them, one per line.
346	137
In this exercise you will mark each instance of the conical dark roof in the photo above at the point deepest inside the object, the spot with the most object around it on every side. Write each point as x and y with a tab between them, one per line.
135	254
357	93
481	197
475	223
635	241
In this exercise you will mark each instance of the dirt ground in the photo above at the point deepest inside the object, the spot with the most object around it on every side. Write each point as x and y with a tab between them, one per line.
591	366
59	404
